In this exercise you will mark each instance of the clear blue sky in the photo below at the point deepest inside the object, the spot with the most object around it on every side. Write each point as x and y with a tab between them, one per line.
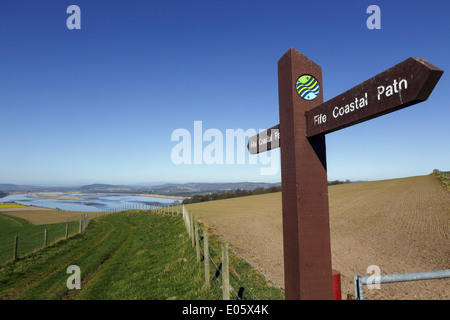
99	105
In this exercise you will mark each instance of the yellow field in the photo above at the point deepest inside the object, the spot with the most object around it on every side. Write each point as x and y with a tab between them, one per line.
400	225
10	205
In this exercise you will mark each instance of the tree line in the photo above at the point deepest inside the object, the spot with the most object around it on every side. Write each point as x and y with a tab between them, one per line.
242	193
230	194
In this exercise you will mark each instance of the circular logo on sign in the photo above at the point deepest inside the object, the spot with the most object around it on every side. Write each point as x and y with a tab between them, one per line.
308	87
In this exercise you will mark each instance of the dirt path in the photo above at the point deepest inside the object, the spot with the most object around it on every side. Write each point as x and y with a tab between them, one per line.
400	225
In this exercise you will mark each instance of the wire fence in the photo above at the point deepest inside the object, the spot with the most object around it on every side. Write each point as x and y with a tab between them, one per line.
32	238
444	174
227	273
228	276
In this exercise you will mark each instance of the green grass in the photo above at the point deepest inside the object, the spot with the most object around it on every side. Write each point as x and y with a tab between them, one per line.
246	282
30	237
121	256
126	255
154	262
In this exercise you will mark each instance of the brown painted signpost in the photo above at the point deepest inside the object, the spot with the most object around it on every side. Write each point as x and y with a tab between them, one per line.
304	121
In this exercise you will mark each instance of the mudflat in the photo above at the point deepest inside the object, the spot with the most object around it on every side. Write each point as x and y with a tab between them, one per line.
55	196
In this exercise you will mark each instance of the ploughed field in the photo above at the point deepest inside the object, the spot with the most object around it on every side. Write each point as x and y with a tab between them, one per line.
399	225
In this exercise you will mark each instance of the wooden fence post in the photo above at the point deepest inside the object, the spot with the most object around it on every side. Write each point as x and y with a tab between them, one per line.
192	230
225	272
67	230
197	242
206	258
184	219
188	223
45	238
16	238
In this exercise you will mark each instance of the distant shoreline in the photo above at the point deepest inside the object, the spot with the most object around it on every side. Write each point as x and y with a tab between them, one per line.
65	197
54	196
136	194
162	196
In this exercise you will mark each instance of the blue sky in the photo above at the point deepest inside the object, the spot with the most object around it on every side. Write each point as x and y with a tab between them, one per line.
99	104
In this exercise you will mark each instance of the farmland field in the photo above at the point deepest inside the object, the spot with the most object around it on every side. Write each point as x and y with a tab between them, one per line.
10	205
30	237
131	255
38	215
400	225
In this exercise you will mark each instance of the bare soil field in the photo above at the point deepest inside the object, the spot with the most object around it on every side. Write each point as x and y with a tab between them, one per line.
400	225
38	215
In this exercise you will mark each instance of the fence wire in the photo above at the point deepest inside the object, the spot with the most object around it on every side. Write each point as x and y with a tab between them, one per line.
238	279
238	285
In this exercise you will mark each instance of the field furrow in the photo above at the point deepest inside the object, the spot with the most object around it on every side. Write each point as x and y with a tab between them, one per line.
400	225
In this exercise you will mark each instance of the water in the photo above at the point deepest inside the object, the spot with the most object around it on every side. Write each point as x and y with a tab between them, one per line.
91	202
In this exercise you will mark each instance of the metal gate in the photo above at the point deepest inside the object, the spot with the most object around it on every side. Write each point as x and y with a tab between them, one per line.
395	277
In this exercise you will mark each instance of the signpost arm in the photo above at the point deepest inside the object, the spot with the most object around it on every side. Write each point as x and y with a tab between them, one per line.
306	231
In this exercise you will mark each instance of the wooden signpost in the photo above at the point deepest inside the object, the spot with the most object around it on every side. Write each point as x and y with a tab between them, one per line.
304	121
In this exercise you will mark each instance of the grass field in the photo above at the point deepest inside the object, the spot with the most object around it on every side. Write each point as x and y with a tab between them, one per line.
30	237
121	256
401	225
127	255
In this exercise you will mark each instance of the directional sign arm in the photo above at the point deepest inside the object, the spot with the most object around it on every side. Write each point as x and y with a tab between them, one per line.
403	85
265	140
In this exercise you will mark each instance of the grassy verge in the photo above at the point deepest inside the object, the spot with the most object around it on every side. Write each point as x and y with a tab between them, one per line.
245	281
155	262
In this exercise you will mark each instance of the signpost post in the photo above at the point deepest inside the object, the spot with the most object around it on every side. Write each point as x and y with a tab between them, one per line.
304	121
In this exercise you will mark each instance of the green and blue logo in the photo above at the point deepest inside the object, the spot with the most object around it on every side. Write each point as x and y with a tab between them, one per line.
308	87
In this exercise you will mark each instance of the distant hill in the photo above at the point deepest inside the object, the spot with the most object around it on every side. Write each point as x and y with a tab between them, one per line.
190	189
16	188
185	190
172	189
105	188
